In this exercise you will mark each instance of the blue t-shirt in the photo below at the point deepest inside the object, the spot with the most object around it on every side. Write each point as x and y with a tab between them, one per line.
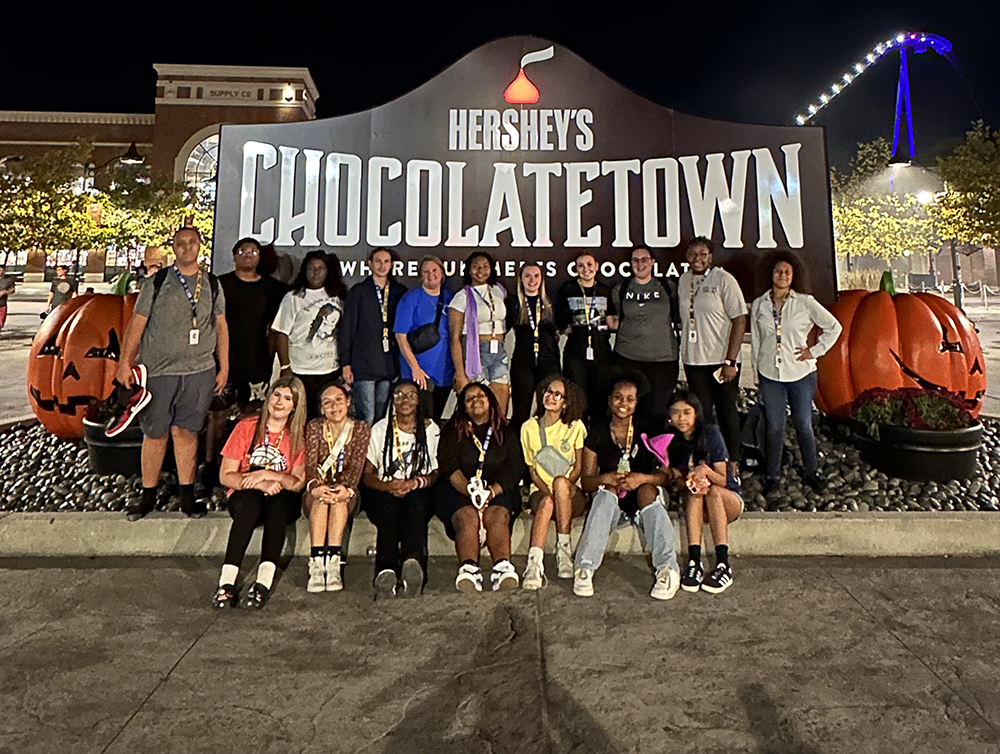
417	308
683	455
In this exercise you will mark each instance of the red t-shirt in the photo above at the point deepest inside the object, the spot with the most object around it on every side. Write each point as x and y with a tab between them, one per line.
268	455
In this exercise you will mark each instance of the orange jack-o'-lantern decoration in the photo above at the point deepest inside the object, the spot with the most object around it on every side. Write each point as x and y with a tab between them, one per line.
74	357
893	340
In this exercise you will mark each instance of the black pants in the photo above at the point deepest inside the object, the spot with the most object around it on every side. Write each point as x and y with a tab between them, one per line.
594	377
313	383
434	400
252	508
401	523
525	376
662	376
719	401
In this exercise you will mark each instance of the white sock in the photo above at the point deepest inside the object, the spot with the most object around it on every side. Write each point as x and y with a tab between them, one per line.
535	554
265	573
229	575
562	539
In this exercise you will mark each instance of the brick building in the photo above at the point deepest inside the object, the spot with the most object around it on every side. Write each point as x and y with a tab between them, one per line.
180	139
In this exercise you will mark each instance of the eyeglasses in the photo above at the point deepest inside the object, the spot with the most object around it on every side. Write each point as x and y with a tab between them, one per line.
248	252
641	260
405	396
554	393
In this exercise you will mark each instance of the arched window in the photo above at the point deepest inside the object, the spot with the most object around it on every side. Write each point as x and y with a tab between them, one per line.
200	169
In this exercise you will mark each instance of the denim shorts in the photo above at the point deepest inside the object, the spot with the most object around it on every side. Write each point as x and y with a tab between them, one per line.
496	366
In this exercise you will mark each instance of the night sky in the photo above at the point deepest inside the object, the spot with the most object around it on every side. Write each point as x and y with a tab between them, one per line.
760	63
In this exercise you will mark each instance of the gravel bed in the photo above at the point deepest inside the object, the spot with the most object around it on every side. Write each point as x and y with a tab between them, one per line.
44	473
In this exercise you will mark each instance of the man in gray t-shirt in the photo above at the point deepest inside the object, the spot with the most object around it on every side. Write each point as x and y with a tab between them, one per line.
179	332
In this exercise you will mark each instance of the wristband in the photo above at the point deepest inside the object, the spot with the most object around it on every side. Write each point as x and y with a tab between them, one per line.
284	366
730	362
310	483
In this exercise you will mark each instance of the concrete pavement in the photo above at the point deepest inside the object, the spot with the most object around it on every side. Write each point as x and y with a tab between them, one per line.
800	656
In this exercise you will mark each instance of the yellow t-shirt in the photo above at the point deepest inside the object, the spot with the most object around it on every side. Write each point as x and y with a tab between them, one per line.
565	438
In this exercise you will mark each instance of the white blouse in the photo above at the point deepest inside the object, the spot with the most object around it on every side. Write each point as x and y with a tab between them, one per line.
797	318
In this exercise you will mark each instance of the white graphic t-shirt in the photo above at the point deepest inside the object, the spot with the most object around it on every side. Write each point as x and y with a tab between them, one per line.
310	319
401	460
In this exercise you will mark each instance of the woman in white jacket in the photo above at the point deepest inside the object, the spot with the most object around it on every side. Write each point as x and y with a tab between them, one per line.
781	321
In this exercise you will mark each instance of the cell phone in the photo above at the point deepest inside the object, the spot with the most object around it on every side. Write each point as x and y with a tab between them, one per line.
718	375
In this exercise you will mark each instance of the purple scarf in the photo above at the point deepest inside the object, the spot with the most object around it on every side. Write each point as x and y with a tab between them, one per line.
473	366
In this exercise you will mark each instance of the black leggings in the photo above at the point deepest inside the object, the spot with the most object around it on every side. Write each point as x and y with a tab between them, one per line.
401	524
719	401
594	377
251	508
313	383
525	376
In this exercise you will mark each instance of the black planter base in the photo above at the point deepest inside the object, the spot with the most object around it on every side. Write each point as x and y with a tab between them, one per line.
113	455
923	455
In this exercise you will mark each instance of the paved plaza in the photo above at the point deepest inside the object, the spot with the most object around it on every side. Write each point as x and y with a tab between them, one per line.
800	656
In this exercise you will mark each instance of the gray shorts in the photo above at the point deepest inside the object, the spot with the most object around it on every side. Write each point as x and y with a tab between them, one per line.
178	401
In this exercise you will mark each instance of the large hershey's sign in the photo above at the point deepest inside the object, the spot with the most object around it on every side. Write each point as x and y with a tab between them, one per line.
524	149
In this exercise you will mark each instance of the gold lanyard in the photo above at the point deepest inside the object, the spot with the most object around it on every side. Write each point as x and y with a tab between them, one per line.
623	465
488	300
397	445
330	444
586	314
281	436
483	447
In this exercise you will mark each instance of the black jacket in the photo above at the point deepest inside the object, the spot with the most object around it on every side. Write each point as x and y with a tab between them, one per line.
360	337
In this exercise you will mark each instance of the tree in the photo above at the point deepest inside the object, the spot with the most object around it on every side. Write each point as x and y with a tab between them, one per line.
874	216
969	210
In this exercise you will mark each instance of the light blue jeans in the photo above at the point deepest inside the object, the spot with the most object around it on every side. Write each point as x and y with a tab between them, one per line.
371	397
656	532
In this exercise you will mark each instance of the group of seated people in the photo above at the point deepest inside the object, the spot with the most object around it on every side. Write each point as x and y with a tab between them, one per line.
611	438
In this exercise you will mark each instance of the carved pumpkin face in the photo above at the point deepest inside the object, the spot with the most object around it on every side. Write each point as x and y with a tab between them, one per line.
901	340
73	359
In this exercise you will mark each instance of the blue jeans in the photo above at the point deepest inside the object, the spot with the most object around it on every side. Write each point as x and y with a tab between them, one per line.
371	397
777	397
656	532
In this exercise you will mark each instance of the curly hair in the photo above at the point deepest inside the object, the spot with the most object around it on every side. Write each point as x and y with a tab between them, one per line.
800	281
463	423
333	284
575	400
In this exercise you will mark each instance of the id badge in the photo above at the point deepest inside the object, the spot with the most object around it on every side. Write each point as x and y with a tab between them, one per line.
590	353
624	467
385	345
494	346
193	337
692	335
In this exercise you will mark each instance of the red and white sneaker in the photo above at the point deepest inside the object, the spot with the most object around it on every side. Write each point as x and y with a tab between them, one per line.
139	399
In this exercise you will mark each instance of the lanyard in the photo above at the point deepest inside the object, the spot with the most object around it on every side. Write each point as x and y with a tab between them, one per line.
336	448
624	466
777	329
586	312
383	303
277	444
533	321
483	447
193	300
492	306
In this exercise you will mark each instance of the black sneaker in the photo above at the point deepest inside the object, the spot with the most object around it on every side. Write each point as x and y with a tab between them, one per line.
197	509
770	486
225	596
256	596
692	577
140	509
719	580
813	482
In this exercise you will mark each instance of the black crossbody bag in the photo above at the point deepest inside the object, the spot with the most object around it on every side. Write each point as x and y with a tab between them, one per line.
425	337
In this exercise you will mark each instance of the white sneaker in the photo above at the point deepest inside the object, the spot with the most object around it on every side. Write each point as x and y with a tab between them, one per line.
504	576
333	581
534	575
583	583
564	561
317	575
385	584
668	581
469	579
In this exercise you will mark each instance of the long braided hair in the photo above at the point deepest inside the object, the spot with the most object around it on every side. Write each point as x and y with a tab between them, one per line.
421	455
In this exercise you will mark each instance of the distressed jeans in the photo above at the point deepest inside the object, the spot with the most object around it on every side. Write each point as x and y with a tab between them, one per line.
656	531
371	397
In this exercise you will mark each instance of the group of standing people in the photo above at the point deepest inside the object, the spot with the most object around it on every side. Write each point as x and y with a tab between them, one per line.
355	420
